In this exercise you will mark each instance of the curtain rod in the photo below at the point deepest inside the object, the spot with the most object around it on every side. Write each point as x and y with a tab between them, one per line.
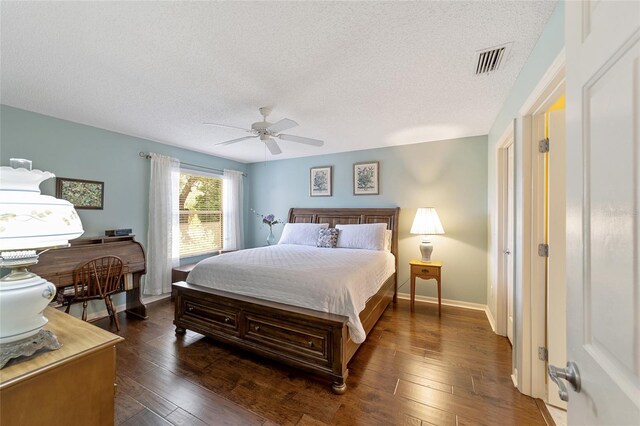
148	156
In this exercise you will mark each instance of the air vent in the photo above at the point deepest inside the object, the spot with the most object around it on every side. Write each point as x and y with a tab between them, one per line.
490	60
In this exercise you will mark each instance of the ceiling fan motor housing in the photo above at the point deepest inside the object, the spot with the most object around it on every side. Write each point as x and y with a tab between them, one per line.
260	126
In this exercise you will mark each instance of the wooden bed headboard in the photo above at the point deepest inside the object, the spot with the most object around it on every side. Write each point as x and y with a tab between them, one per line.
351	216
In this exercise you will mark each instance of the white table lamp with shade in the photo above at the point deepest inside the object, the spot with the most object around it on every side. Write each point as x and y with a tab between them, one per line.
426	223
29	222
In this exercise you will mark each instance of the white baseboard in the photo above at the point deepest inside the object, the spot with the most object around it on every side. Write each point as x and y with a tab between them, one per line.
492	320
514	377
120	302
151	299
447	302
92	313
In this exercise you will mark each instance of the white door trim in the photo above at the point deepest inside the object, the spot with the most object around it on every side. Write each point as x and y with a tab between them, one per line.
505	141
531	303
545	86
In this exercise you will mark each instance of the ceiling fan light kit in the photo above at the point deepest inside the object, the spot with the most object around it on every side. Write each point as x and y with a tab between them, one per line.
267	131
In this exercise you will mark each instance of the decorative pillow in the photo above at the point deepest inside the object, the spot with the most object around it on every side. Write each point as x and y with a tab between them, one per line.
304	234
370	236
327	237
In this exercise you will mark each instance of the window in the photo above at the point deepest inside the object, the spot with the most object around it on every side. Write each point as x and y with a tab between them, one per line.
200	207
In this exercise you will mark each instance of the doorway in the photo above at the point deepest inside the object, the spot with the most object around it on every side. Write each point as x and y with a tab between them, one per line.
506	236
530	298
546	325
555	238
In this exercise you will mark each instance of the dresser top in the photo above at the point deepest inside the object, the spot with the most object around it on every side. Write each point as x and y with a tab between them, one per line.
78	338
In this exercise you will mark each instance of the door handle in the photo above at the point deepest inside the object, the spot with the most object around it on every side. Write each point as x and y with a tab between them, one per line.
507	251
571	374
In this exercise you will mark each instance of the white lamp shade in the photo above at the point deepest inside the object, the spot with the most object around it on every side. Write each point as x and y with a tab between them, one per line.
30	220
427	222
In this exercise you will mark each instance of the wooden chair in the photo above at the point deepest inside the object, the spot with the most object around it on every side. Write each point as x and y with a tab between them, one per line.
95	279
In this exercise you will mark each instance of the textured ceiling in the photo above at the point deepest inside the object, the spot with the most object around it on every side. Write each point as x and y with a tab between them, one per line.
355	74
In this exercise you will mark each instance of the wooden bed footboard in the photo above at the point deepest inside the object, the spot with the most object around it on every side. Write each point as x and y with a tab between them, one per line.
309	340
313	341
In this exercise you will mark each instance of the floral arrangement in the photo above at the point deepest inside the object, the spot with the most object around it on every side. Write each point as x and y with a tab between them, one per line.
269	219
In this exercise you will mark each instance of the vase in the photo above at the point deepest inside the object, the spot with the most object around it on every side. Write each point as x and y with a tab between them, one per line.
271	239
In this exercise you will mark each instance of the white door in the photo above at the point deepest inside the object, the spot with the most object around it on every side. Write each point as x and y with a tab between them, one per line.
556	262
510	239
603	222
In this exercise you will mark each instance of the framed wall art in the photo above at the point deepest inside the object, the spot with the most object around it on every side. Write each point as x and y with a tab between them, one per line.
366	178
320	181
83	194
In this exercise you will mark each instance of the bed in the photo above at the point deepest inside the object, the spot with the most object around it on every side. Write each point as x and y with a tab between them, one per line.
317	342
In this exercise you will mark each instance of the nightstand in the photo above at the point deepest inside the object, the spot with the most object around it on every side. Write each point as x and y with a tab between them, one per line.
426	271
179	273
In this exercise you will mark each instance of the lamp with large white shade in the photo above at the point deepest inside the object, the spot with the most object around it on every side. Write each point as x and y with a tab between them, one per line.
29	222
426	223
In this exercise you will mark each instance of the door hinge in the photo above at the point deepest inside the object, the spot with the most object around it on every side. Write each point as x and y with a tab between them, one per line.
543	146
543	250
543	353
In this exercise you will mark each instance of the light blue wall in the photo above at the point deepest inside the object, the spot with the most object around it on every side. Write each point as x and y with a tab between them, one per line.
83	152
449	175
547	49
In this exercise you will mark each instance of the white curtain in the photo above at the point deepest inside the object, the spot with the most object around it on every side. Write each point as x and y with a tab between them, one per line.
163	237
233	235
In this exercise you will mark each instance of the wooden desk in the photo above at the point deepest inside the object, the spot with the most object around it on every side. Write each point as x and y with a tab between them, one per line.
58	265
74	385
426	271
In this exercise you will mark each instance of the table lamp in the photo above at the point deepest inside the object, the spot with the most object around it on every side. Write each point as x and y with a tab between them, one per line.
426	223
29	222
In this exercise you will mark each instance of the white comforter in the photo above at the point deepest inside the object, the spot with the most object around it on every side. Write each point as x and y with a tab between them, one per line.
338	281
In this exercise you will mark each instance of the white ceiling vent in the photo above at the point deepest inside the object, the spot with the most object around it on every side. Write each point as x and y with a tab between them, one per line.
489	60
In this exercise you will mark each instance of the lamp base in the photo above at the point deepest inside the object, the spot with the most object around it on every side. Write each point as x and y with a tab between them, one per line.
426	248
23	297
44	339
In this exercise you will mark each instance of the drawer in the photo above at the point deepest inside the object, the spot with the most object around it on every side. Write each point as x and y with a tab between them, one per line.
293	338
430	271
217	316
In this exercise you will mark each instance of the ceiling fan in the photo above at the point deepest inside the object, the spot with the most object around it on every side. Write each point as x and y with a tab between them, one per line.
267	131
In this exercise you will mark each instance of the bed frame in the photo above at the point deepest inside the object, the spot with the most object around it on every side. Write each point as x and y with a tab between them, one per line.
313	341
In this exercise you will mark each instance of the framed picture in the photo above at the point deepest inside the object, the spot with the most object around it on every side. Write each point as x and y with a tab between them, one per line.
320	182
366	178
83	194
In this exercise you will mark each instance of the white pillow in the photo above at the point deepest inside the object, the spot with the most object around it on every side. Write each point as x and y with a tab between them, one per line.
388	233
369	236
304	234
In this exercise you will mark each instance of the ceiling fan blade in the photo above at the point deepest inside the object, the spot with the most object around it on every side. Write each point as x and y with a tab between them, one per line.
235	140
300	139
273	146
228	127
281	125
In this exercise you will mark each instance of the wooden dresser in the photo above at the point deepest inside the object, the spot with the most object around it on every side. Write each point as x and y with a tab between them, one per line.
74	385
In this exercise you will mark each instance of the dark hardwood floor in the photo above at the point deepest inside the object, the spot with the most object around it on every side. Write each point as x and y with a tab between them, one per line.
414	369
